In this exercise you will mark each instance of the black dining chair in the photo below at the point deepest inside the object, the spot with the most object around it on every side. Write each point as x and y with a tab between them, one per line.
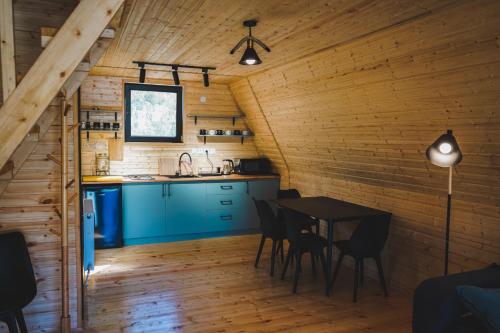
271	227
300	243
307	222
17	280
367	241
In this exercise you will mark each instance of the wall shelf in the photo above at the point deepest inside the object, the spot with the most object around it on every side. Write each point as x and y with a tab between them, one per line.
233	117
100	131
223	136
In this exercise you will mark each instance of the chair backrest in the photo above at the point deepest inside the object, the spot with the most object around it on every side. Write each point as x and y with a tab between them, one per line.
267	218
16	272
289	194
370	235
294	222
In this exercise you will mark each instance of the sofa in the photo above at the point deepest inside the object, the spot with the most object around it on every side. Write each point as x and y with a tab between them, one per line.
438	308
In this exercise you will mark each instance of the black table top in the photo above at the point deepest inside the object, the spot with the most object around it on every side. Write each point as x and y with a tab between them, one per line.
329	209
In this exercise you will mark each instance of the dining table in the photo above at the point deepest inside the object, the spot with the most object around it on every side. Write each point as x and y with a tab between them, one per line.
331	211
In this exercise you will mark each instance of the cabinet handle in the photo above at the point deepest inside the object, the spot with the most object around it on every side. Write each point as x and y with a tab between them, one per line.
226	202
226	217
248	187
163	190
226	187
169	194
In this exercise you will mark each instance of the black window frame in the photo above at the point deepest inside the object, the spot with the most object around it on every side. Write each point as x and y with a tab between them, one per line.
160	88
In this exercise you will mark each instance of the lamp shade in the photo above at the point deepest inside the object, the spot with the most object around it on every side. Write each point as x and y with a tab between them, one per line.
250	57
444	152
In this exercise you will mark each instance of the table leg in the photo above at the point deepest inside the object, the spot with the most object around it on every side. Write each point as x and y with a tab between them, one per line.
329	257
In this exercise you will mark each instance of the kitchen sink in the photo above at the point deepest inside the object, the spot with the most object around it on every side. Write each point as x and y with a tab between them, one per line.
182	176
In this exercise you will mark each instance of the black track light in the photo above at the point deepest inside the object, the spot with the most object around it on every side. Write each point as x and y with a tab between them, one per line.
175	75
250	56
206	83
142	73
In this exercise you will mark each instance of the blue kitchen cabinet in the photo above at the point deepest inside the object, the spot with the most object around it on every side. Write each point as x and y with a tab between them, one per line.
144	213
154	213
185	204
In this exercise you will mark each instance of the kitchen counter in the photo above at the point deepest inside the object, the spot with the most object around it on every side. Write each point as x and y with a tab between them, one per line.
99	180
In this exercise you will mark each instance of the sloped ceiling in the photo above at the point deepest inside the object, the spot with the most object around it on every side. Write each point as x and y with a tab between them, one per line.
201	32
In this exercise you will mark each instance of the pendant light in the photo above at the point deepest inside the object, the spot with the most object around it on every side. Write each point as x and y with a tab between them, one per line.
445	152
250	56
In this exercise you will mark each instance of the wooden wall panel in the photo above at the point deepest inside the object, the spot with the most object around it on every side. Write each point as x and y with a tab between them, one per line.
264	137
353	122
31	202
142	158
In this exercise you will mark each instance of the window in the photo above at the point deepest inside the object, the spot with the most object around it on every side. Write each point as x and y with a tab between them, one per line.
153	113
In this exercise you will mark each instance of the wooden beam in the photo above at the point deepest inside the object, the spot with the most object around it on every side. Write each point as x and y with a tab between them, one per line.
47	34
7	54
65	317
47	76
76	209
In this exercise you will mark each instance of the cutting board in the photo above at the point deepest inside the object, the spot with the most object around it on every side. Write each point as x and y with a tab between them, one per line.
115	149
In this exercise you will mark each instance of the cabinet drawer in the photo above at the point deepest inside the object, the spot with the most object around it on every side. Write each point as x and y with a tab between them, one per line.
224	201
226	188
222	220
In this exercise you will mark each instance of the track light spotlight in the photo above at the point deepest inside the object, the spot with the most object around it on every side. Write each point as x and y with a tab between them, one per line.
250	56
142	73
175	75
205	77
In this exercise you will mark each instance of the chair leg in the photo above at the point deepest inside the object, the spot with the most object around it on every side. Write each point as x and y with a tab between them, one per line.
259	252
273	256
10	320
381	275
361	272
289	256
297	272
21	322
337	268
356	280
282	251
313	263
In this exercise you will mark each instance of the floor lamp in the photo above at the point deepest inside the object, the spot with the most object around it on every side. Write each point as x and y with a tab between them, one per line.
445	152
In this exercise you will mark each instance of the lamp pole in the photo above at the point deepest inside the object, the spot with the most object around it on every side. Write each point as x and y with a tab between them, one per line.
448	218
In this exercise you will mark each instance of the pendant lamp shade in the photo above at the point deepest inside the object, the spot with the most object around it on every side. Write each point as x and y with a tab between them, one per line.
250	57
444	152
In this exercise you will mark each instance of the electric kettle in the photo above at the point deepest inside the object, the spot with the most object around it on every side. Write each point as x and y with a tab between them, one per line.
227	167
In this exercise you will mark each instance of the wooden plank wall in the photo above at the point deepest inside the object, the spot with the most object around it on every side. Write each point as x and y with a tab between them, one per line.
354	121
31	202
142	158
265	140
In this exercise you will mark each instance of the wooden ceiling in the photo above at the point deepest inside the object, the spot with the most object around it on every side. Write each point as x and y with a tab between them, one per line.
201	32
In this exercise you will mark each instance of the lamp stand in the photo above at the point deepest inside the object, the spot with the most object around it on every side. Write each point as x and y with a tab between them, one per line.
448	218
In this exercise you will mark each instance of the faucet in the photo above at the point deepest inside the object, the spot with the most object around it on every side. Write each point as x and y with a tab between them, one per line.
180	163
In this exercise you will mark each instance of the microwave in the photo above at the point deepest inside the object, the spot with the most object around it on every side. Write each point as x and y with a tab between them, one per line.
254	166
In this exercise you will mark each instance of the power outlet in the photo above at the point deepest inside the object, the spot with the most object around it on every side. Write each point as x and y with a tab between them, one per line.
201	151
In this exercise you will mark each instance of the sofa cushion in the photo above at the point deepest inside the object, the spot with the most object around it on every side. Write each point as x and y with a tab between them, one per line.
484	304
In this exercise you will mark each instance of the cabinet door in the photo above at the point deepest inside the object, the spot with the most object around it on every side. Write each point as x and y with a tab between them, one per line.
260	190
143	210
185	208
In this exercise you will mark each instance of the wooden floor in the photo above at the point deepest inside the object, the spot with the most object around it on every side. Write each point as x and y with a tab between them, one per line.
211	286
